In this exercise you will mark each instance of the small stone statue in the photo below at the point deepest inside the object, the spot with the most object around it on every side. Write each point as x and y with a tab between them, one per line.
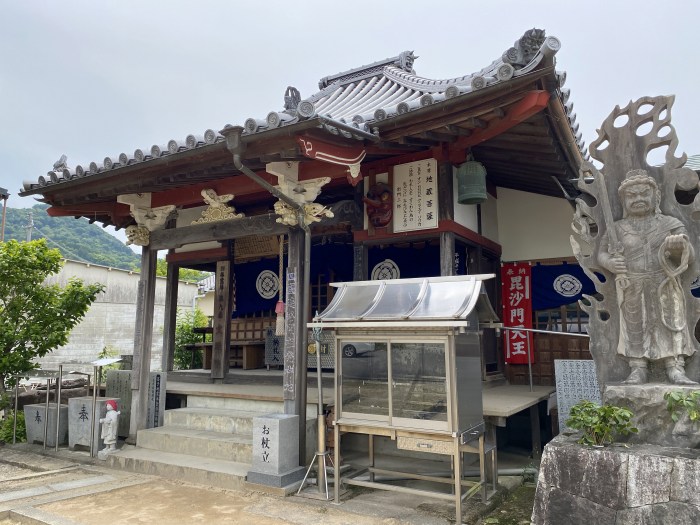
110	424
653	250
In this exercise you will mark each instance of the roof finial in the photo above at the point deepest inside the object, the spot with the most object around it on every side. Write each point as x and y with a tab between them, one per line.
406	60
292	97
60	164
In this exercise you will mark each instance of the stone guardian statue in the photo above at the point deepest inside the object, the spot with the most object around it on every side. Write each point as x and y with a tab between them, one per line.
634	237
649	252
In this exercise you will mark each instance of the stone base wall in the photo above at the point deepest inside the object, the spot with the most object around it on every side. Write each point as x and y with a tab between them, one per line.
617	485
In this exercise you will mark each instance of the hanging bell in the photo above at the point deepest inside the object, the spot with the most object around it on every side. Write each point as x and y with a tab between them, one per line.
471	183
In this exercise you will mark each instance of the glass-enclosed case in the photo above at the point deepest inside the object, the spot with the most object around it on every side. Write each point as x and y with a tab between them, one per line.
408	367
427	380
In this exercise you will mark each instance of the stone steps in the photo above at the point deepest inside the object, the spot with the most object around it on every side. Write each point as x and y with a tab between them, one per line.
211	419
196	442
195	469
202	444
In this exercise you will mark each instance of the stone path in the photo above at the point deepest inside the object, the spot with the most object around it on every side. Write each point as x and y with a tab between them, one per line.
37	489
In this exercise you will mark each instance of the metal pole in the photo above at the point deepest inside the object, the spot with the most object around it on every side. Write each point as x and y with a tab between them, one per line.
46	415
321	423
58	403
29	226
529	363
96	371
14	426
4	210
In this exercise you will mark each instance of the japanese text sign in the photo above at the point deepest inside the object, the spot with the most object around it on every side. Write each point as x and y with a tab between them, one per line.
516	282
415	196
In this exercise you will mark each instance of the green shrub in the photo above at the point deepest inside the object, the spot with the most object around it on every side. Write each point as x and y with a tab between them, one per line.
184	335
600	424
7	424
679	402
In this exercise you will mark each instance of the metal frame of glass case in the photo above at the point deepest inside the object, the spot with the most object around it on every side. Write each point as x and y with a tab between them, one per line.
413	374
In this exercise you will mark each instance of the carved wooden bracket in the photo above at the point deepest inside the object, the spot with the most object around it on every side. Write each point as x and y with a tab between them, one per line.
138	235
140	205
218	209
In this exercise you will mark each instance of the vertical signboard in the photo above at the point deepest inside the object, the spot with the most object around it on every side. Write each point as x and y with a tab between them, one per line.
415	196
516	279
290	336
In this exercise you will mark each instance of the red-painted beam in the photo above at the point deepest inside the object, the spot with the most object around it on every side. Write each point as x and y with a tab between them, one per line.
532	103
199	256
115	209
444	226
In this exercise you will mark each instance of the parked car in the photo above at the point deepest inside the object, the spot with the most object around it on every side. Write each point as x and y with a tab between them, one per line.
355	349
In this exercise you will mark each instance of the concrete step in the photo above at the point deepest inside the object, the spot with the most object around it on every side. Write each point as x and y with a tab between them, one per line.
261	406
194	442
211	419
195	469
246	404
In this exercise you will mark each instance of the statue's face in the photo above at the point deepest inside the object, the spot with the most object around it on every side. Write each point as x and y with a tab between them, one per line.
639	200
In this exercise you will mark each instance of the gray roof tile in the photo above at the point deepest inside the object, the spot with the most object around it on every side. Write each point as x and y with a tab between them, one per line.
360	96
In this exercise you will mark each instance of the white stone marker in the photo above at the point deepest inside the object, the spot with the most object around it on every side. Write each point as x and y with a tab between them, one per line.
276	451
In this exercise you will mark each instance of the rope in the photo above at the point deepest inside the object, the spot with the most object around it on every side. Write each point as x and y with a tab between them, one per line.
279	307
671	281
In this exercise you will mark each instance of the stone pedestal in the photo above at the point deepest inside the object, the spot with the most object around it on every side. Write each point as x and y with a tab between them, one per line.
119	386
80	421
617	485
35	416
276	451
651	416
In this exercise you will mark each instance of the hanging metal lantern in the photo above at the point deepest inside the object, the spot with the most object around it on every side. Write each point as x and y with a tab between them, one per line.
471	183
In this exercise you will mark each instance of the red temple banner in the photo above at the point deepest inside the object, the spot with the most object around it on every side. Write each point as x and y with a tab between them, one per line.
516	279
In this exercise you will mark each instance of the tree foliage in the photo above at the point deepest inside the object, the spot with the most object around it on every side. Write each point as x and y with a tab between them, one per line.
77	239
185	274
35	318
184	335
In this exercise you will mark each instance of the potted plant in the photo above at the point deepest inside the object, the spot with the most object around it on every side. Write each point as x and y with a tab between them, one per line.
600	424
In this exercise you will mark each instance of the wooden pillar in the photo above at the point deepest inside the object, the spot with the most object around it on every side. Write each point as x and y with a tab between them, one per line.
143	337
221	341
446	212
447	253
170	318
446	203
294	390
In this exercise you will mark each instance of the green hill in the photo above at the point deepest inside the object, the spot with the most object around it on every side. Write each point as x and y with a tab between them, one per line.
76	238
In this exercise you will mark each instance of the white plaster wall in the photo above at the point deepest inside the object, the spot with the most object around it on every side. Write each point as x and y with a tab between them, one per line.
533	226
489	219
206	304
111	319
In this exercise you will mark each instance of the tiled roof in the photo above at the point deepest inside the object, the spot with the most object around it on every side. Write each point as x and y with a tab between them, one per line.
360	98
693	162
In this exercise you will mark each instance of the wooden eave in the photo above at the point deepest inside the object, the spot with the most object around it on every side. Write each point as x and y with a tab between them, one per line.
524	156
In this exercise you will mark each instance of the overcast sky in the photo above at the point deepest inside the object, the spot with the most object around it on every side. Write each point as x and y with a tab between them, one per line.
94	79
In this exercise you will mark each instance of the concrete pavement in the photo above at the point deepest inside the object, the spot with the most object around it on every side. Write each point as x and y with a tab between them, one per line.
70	488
